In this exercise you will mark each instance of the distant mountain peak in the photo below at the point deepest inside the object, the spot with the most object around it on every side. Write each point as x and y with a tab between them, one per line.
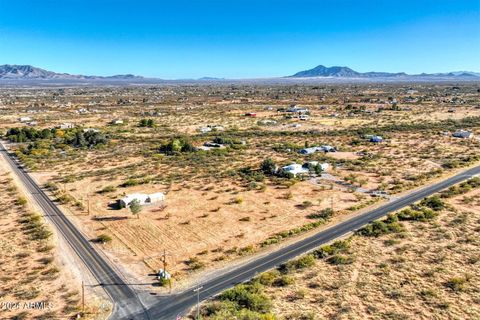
14	72
322	71
345	72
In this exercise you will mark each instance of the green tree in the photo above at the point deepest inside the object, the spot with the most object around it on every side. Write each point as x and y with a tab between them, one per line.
135	207
268	166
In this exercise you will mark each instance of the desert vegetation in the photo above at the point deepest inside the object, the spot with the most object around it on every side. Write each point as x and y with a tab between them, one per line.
227	195
421	262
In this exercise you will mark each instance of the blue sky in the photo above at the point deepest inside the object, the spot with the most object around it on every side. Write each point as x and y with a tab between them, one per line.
239	39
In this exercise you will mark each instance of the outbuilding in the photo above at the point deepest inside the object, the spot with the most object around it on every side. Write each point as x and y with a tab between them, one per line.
142	199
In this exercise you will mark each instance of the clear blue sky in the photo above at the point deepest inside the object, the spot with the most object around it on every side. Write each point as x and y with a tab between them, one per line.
239	39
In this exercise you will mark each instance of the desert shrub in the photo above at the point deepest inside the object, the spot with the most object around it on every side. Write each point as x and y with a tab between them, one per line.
285	234
103	238
283	281
339	259
305	204
227	140
461	188
251	175
268	278
46	260
40	233
325	251
51	186
433	202
149	123
238	200
378	228
246	250
248	296
268	166
324	214
456	283
297	264
21	201
177	145
107	189
64	198
423	214
194	263
164	282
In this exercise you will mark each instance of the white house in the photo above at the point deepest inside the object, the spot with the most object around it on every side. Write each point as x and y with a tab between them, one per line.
66	125
295	169
25	119
142	198
296	109
463	134
205	129
117	121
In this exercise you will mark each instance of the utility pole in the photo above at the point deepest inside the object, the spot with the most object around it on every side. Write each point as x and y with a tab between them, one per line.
197	290
331	203
88	205
164	260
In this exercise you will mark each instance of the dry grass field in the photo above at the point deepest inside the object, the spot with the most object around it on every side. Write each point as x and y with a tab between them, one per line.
219	206
35	283
427	269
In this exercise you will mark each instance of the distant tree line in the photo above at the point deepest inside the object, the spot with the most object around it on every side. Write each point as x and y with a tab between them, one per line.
74	137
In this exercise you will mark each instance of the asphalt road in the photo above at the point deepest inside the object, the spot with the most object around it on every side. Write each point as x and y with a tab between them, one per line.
170	307
127	304
126	301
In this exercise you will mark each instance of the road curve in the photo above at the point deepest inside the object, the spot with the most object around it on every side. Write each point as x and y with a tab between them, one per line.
169	307
125	300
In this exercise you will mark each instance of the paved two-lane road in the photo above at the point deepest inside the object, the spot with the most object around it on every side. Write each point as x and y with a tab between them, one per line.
125	300
170	307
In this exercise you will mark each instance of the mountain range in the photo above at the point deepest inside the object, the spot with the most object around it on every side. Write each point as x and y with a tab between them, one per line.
346	72
13	73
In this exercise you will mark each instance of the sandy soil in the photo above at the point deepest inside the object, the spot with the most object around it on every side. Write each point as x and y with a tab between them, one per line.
39	271
396	276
